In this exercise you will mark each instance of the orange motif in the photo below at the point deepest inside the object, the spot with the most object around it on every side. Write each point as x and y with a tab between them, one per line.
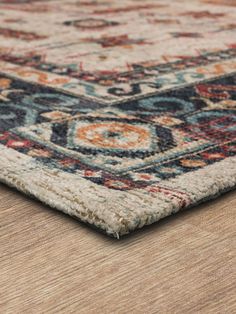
93	135
192	163
4	83
42	77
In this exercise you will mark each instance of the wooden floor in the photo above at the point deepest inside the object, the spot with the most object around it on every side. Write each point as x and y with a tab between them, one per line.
51	263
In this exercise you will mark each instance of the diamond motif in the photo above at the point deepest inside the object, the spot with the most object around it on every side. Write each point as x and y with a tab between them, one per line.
117	137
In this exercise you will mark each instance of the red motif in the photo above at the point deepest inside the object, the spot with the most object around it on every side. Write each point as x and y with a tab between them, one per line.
111	41
186	35
180	197
214	91
18	143
203	14
28	36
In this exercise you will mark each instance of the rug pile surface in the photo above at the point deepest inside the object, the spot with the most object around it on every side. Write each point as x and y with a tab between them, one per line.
119	113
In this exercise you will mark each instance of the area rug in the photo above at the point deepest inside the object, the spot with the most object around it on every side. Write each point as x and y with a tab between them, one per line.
118	113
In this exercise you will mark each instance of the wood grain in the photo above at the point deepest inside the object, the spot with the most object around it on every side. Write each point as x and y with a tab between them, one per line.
51	263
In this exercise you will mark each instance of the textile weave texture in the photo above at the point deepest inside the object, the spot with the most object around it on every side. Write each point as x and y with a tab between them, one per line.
118	113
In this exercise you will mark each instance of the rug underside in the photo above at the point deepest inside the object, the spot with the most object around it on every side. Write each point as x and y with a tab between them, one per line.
118	113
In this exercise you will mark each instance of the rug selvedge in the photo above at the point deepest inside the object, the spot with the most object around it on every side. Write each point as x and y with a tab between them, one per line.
123	148
112	210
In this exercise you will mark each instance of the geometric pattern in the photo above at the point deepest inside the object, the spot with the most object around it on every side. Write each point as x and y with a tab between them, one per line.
123	115
113	137
144	138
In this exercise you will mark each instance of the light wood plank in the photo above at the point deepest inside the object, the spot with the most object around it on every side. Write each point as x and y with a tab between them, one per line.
51	263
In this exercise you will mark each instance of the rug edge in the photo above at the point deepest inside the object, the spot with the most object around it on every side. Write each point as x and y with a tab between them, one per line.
74	200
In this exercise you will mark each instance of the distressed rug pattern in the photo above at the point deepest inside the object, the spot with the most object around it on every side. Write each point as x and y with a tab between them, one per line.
118	113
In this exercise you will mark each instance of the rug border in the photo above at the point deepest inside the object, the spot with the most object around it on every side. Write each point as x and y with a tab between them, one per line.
113	211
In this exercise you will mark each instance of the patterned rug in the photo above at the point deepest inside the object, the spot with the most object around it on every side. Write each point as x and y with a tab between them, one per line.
121	112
